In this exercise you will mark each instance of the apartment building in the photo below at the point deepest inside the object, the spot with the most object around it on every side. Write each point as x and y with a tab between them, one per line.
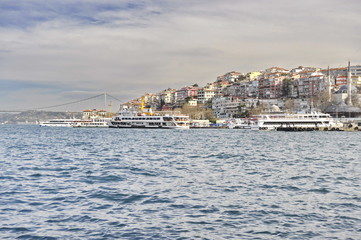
226	107
185	92
309	86
206	93
270	85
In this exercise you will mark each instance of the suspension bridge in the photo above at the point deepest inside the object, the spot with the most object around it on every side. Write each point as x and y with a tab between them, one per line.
100	101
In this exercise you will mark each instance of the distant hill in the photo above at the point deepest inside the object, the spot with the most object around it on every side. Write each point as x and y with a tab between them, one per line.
32	117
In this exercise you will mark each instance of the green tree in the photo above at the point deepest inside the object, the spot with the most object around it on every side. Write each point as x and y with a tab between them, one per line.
188	99
243	111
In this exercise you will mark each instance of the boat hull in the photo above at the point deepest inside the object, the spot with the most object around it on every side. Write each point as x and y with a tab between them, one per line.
148	127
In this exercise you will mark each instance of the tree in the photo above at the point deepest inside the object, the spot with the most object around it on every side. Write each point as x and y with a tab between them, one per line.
243	111
198	112
188	99
355	100
290	105
258	109
240	78
321	100
208	104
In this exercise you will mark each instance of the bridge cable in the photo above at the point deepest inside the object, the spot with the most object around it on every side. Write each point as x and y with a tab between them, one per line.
64	104
113	97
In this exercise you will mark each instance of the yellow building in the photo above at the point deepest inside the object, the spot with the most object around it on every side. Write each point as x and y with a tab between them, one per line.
253	75
356	80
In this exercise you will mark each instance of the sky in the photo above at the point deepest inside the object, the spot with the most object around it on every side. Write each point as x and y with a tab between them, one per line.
53	52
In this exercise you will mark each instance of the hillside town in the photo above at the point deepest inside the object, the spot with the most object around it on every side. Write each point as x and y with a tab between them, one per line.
237	95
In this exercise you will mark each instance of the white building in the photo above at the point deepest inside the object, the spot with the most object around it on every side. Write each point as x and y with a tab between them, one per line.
192	102
226	107
168	96
93	114
355	70
206	93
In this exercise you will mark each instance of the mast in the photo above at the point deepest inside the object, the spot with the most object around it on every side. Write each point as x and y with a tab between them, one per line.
349	86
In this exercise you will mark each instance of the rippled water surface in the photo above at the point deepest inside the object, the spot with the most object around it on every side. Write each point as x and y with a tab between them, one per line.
64	183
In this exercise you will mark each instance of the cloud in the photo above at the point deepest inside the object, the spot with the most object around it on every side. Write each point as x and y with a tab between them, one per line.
25	14
130	49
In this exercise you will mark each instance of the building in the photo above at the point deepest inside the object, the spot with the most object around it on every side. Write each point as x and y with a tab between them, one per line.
230	76
252	88
245	89
94	113
356	80
341	80
253	75
270	85
341	94
343	111
232	90
192	102
334	72
220	86
303	69
226	107
311	85
355	70
206	93
276	70
167	96
186	92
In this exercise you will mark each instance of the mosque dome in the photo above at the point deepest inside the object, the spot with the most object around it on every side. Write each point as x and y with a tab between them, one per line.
275	108
343	89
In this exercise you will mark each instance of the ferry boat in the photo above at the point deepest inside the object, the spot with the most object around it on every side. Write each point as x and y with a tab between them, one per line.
127	119
58	123
306	121
240	123
93	123
93	119
90	119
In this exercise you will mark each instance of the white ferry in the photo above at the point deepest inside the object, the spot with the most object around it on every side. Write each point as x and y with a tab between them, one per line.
93	118
59	122
240	123
127	119
300	121
90	119
93	123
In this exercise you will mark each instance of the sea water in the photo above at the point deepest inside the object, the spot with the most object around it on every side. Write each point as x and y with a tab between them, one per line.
66	183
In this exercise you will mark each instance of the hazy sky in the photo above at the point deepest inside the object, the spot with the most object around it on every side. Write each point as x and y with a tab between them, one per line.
59	51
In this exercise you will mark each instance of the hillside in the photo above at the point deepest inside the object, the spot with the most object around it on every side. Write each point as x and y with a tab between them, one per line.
32	117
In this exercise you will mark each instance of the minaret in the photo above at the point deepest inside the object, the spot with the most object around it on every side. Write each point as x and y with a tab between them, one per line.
349	86
329	85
